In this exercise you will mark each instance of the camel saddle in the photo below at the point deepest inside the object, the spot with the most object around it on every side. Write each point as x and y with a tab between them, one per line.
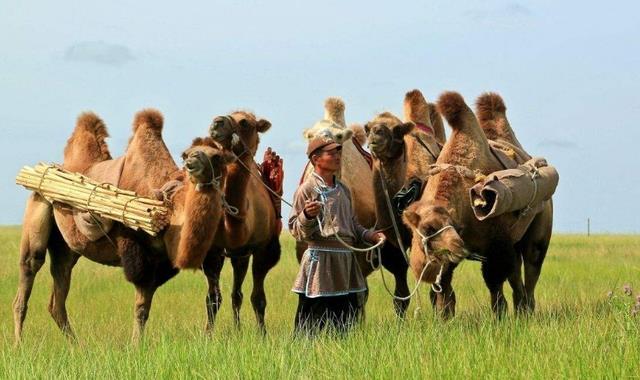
407	195
89	224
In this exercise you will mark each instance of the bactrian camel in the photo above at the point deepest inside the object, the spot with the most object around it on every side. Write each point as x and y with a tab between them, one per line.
148	262
443	214
403	152
255	229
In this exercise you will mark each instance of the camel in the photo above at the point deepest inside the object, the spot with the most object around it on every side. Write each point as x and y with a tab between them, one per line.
446	228
402	153
255	230
148	262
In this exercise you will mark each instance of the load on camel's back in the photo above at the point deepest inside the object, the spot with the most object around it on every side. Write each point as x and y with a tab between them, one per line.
446	227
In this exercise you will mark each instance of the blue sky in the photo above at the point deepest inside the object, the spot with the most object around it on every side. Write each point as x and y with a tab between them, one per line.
569	73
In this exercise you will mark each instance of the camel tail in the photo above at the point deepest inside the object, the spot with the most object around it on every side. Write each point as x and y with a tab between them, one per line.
452	106
437	123
334	111
149	118
88	140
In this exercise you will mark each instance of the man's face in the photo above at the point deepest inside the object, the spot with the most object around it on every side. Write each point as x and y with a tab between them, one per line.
328	160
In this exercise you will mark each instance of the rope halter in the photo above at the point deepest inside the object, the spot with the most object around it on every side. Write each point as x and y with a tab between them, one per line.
436	287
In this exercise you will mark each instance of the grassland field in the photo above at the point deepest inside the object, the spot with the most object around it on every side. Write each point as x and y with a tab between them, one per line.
583	326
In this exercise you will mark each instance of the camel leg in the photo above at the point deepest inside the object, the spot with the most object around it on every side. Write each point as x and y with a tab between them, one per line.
62	262
212	267
36	228
533	247
515	280
263	261
240	266
532	267
144	296
494	278
394	262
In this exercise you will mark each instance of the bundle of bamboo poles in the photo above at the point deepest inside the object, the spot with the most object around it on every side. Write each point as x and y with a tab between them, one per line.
105	200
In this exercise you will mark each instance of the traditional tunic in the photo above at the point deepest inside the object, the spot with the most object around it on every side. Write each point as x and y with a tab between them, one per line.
327	267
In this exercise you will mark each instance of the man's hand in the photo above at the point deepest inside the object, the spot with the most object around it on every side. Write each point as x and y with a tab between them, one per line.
375	236
312	208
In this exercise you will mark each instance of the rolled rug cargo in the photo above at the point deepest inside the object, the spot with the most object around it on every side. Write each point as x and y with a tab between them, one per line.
514	189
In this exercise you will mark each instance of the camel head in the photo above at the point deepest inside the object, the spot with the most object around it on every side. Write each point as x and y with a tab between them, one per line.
435	232
386	136
206	163
328	129
238	132
332	126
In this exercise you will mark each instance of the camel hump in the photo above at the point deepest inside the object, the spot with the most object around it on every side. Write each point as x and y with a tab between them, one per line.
359	135
416	108
91	123
148	118
437	123
490	106
89	136
452	106
334	111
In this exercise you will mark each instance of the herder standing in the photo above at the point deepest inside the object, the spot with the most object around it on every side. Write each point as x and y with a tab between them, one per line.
329	277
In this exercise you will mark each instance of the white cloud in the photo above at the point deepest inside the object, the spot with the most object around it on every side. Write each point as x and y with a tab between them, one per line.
99	52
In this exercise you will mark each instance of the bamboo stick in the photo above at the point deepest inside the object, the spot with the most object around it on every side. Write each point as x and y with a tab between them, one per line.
85	194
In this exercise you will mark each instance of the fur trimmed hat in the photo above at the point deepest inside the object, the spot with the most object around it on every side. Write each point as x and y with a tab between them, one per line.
321	143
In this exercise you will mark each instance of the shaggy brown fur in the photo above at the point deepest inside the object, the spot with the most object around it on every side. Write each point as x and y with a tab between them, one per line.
416	108
334	111
448	190
254	231
492	116
147	261
150	119
88	142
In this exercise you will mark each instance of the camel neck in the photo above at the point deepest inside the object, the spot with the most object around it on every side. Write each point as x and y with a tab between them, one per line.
202	212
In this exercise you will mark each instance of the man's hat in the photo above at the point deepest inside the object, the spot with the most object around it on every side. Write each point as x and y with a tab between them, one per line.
321	143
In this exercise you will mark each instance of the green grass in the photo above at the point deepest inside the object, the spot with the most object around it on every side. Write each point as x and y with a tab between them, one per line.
578	331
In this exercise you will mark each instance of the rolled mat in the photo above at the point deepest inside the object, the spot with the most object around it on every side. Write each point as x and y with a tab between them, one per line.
510	190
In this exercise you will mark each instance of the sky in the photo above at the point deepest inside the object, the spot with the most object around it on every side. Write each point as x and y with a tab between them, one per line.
569	73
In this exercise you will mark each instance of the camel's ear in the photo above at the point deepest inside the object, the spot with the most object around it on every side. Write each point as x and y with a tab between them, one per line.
228	157
402	129
307	134
367	129
410	216
185	154
263	125
343	136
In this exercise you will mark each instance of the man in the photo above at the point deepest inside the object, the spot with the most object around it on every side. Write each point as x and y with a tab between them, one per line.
329	277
